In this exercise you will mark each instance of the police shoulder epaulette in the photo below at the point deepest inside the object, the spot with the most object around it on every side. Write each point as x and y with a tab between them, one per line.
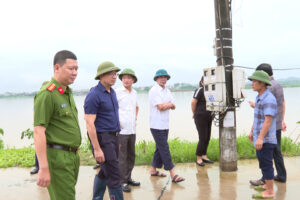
51	87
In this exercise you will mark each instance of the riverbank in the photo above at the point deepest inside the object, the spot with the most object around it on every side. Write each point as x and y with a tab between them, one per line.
181	151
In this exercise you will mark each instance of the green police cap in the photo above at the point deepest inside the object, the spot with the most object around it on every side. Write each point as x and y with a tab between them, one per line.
128	71
260	75
106	67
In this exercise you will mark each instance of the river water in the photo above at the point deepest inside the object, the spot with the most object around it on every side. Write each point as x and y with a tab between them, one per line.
16	115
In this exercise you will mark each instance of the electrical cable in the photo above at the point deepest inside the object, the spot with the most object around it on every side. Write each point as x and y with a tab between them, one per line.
164	189
245	67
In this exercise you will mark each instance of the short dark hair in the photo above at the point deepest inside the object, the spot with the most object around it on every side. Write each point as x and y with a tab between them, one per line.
266	68
61	56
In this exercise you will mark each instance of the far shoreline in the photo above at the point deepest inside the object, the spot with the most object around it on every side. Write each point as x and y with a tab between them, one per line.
84	92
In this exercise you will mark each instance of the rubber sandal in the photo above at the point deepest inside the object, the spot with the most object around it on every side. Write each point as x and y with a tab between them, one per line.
159	174
177	179
259	188
260	196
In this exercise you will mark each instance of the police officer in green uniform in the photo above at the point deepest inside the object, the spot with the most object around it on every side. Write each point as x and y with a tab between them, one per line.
56	130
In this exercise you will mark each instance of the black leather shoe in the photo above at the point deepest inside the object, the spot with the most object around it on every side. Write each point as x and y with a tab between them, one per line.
126	188
202	164
96	166
279	180
34	171
207	161
134	183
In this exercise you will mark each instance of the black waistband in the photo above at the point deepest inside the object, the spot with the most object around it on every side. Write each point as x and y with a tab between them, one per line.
61	147
111	133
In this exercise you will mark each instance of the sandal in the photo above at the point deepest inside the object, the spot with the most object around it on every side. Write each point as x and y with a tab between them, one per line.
260	196
259	188
158	173
177	179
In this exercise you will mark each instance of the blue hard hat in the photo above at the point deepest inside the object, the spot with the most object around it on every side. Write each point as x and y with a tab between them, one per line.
161	72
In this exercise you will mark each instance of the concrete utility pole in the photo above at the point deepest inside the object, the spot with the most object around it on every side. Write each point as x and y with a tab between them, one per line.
227	135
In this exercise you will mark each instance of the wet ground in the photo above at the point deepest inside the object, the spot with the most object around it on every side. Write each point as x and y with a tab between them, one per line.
207	183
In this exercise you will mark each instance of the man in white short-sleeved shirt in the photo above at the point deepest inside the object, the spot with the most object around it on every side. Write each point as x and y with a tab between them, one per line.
128	111
158	95
161	101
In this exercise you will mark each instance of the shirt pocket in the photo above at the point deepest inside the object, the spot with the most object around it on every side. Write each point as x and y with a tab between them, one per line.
64	112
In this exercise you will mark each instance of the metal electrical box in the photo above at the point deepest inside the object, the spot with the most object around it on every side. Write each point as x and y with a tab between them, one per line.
215	88
238	83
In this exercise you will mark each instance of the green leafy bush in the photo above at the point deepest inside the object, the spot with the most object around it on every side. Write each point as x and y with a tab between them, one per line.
28	134
181	151
1	141
13	157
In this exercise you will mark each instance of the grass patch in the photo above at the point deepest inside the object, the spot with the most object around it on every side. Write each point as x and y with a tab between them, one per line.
13	157
181	151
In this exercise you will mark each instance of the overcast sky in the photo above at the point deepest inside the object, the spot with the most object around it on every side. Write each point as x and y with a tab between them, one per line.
145	35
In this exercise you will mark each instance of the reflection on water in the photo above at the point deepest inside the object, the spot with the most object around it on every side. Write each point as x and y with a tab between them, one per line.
207	183
17	115
203	183
227	187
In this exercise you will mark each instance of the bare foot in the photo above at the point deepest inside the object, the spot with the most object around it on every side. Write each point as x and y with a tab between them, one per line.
267	194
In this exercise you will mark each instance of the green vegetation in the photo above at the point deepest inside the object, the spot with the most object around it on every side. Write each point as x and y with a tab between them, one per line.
182	151
27	134
1	141
13	157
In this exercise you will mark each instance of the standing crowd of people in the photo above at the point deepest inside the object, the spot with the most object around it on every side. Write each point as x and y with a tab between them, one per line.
111	115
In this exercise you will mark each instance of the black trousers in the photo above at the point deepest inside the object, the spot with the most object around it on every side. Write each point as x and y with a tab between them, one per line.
278	159
126	156
203	123
109	170
36	162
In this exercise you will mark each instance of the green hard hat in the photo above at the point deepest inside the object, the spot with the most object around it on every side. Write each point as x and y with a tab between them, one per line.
106	67
129	72
260	75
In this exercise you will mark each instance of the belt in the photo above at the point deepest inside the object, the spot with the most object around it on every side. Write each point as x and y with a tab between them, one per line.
111	133
61	147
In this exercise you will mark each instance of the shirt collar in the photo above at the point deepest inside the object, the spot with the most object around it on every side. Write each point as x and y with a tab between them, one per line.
261	97
55	82
124	89
159	87
103	89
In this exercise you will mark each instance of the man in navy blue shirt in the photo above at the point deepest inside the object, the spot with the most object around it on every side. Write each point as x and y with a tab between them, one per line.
103	126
